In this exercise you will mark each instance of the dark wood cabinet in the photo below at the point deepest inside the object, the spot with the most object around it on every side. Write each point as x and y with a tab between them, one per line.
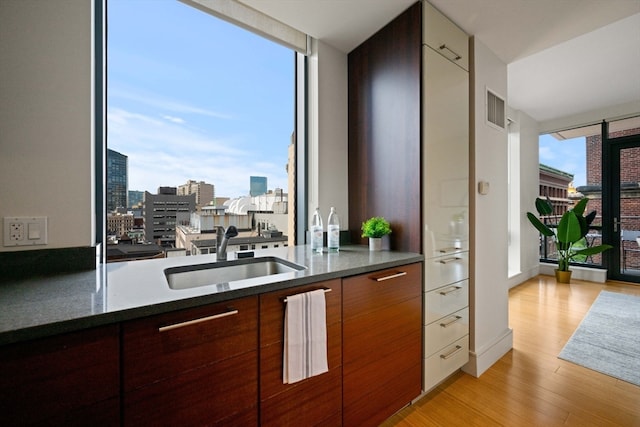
222	363
382	343
193	367
68	379
314	401
384	130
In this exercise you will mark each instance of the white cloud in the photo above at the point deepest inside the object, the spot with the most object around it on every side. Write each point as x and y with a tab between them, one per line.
159	102
166	153
174	119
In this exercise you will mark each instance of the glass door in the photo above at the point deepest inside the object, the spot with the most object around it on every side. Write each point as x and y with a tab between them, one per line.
621	203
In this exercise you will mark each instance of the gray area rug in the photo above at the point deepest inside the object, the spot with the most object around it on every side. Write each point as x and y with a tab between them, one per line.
608	338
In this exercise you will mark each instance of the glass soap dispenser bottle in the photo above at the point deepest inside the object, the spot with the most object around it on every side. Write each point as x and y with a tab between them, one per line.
333	231
316	232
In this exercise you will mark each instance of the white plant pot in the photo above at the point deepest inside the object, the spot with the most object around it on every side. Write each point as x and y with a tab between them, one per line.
375	243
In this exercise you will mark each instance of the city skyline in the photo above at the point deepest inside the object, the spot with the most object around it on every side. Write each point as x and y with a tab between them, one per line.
191	97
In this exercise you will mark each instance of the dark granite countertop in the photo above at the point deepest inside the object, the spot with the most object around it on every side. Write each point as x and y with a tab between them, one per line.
44	306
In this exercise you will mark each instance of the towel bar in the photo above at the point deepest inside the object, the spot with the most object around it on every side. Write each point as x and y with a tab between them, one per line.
325	291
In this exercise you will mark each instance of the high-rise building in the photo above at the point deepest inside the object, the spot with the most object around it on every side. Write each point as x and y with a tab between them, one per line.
135	198
163	211
204	192
116	180
257	185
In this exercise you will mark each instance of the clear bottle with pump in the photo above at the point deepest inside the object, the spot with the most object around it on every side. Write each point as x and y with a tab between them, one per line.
333	231
316	232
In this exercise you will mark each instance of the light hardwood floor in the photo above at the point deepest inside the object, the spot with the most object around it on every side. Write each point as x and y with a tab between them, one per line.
530	386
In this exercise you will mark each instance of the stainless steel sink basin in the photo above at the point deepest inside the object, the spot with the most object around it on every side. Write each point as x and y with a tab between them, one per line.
192	276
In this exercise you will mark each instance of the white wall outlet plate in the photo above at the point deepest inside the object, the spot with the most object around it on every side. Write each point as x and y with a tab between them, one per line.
25	231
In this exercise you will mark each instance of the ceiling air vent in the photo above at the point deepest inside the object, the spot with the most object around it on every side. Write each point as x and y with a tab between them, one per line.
495	110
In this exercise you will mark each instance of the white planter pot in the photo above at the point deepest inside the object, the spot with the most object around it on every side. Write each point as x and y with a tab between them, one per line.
375	243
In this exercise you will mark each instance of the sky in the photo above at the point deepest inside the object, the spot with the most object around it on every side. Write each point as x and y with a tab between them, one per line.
568	156
190	96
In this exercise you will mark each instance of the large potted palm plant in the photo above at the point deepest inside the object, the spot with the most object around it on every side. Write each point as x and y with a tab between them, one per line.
572	228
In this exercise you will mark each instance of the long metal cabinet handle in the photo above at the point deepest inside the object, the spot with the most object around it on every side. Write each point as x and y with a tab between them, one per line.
325	291
451	289
448	260
391	276
451	353
451	322
457	57
195	321
451	249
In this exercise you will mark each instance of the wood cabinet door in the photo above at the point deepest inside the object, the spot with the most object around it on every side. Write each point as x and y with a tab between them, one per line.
193	367
384	130
313	401
382	343
62	380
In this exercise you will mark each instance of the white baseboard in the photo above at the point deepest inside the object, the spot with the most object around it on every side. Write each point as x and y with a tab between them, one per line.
523	276
598	275
481	360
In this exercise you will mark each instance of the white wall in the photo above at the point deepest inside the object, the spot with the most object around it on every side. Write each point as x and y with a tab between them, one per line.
489	298
529	189
46	117
328	131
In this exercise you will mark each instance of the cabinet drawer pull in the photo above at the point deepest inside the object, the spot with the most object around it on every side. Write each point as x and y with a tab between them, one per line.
448	250
200	320
451	289
325	291
391	276
451	353
448	260
457	57
450	322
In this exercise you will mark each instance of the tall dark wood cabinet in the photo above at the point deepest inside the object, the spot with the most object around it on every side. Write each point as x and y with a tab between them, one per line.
384	130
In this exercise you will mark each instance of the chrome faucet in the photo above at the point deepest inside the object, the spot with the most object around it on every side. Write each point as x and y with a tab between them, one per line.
222	238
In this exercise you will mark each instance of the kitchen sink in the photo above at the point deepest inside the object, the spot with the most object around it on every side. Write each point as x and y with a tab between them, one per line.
193	276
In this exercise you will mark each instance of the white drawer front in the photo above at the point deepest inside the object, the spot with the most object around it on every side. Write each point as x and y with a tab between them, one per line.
446	269
443	332
446	300
445	362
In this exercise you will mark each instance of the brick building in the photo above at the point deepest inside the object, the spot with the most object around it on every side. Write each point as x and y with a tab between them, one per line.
554	184
629	179
629	190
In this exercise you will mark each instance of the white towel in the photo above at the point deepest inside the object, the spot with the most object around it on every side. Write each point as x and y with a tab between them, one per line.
305	336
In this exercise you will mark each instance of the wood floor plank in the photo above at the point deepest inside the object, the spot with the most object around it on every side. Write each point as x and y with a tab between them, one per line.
530	386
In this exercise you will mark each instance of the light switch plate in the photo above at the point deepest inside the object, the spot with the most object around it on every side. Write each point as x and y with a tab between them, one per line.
25	231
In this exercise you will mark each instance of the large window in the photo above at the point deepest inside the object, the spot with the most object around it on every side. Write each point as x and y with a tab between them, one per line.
566	174
200	111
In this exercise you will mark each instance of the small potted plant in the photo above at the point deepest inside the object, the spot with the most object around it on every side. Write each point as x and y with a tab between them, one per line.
572	228
375	228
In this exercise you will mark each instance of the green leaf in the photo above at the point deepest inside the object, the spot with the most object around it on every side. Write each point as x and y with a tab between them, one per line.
543	207
579	208
569	230
543	229
593	250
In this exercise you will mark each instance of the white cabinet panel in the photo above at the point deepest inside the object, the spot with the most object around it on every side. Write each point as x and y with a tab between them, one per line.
445	37
445	154
446	300
445	195
446	330
449	268
445	362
